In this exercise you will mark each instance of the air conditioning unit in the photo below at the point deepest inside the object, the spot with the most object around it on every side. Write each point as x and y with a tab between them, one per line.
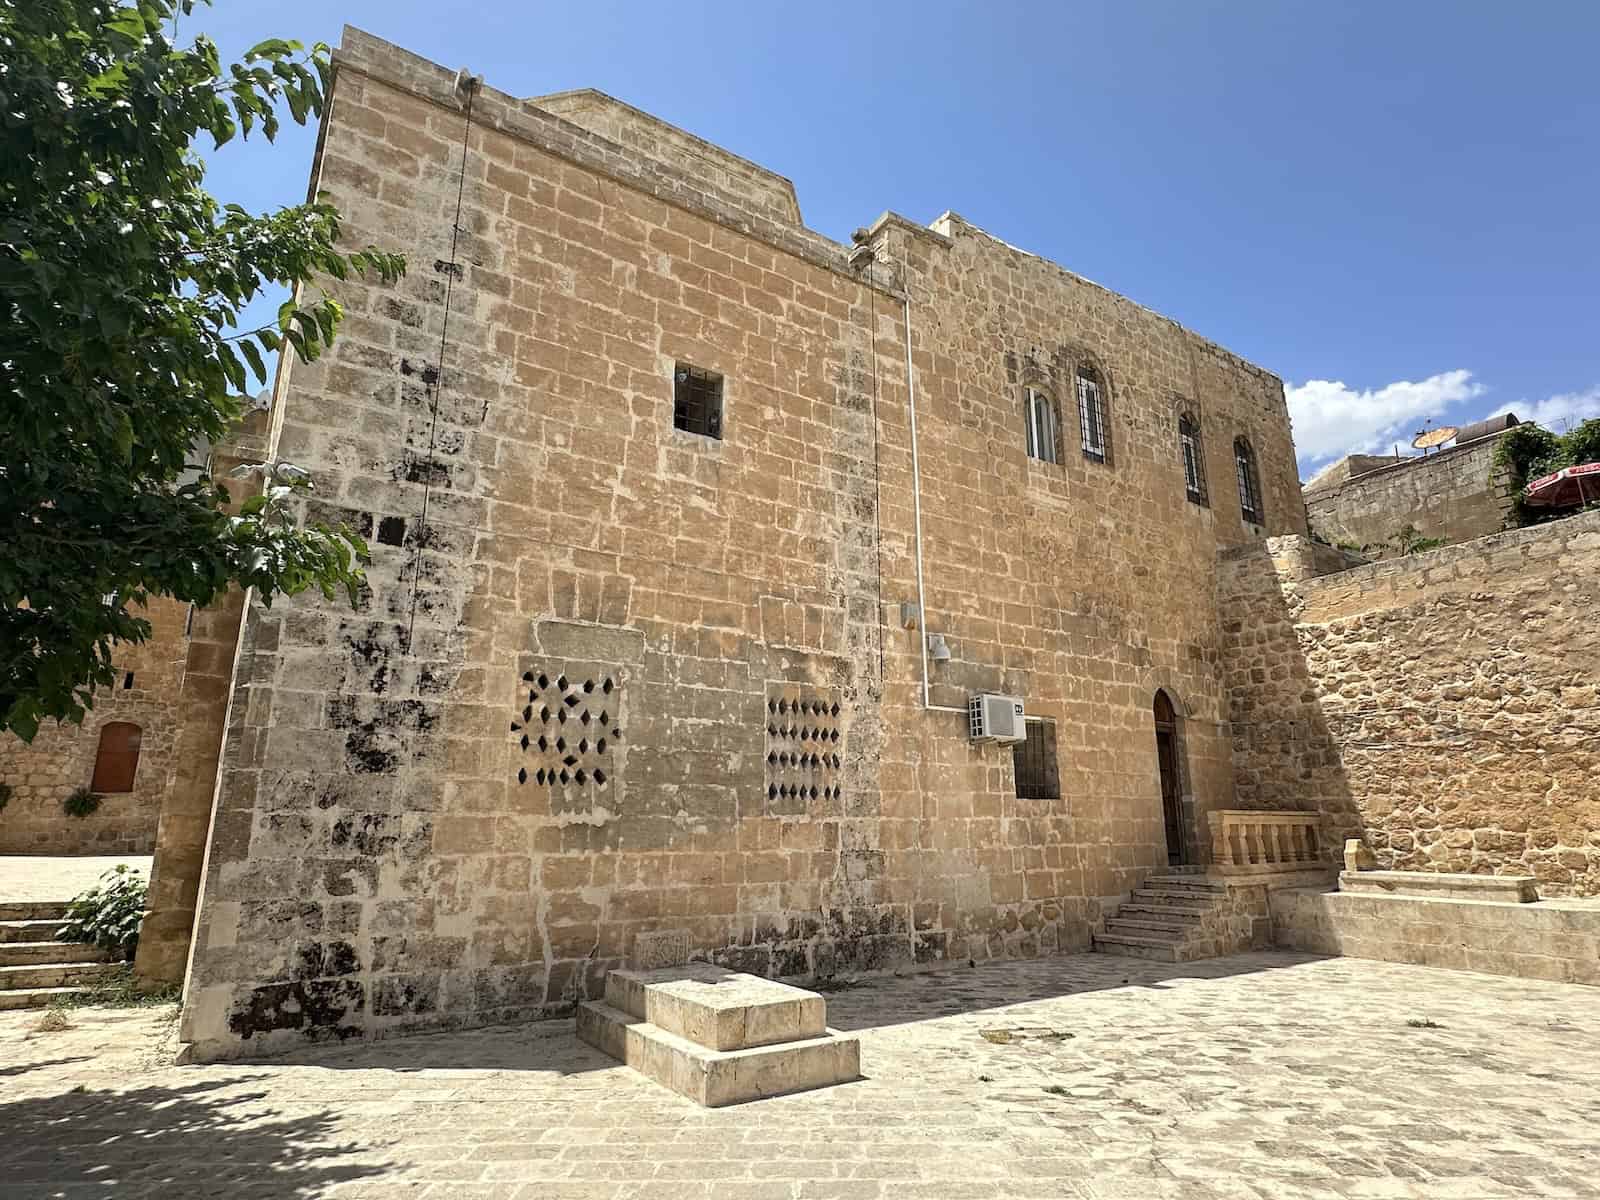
993	718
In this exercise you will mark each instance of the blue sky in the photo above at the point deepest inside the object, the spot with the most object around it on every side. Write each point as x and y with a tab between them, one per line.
1396	207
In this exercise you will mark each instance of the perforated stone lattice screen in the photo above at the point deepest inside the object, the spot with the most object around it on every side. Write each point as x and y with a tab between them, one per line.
568	729
803	748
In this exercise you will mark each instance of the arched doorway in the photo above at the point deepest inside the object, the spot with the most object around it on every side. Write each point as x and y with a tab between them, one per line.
1167	757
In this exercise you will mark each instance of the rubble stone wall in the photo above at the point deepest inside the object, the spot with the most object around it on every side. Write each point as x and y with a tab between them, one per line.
61	758
1443	706
627	689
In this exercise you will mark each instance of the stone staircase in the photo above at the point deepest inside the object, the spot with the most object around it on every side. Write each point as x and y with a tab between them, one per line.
1172	918
718	1036
35	968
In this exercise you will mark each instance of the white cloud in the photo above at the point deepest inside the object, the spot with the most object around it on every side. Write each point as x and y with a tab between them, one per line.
1332	419
1559	412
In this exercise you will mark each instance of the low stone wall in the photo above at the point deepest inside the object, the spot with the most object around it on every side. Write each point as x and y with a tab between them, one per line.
1243	921
1552	939
1443	706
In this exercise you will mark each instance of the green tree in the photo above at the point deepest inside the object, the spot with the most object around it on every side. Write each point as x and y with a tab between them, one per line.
122	283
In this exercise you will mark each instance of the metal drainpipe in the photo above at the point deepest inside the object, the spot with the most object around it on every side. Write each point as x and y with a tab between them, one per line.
916	504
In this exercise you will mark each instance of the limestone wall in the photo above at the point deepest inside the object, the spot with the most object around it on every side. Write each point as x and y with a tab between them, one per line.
738	180
389	850
61	758
1443	705
1456	494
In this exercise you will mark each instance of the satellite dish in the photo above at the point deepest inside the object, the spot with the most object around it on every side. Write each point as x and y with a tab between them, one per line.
1429	438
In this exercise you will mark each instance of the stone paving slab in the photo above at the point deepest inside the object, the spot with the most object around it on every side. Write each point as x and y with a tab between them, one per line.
1259	1077
36	877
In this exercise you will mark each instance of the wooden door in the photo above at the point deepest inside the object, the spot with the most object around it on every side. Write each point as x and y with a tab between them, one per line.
118	759
1171	776
1171	798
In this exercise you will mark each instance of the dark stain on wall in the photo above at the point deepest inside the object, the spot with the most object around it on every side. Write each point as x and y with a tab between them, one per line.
315	1007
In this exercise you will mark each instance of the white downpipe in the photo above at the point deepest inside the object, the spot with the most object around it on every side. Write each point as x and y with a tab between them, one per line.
916	508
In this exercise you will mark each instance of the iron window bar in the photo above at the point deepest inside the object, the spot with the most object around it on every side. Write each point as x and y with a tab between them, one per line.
697	401
1092	418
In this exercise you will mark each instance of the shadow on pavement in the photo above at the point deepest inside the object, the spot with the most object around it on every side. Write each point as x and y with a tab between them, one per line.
173	1140
954	990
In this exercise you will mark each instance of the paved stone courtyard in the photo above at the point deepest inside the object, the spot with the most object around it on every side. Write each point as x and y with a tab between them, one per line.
60	877
1260	1077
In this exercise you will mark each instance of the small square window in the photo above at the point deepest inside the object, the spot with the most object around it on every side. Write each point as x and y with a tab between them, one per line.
1035	763
697	401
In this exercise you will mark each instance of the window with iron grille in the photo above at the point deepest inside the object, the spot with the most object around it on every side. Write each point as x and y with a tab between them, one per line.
1092	417
1244	461
1034	761
697	401
1040	410
1194	460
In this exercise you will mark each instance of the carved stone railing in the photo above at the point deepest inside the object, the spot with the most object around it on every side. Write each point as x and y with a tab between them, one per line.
1258	843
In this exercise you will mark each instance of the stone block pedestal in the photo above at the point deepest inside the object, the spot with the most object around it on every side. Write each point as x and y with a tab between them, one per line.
718	1036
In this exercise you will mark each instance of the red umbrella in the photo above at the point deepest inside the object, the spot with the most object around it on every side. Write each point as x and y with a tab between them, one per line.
1566	487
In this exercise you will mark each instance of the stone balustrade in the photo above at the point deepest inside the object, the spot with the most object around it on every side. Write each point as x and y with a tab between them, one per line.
1254	843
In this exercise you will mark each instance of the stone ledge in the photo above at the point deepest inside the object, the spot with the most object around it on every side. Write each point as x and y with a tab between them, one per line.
1515	889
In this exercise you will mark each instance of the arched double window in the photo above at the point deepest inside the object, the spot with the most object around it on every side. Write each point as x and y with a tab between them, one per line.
1092	423
1244	461
1194	460
1043	426
116	762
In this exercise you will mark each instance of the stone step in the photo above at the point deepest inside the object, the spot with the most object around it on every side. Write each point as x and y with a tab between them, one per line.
717	1008
1165	912
1187	883
33	910
24	954
1152	926
1132	946
1193	902
718	1077
30	931
37	997
55	974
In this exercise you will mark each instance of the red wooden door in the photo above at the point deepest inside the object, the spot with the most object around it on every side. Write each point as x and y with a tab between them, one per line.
118	759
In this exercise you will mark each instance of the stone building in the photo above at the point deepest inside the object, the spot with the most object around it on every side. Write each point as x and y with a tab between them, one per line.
124	751
694	532
1456	493
656	477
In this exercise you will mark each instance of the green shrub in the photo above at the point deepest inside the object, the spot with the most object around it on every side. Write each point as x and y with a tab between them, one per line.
81	803
1407	540
110	913
1528	452
1583	443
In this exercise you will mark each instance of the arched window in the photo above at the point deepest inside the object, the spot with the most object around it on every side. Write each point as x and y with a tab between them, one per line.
117	761
1092	422
1040	409
1244	461
1194	460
